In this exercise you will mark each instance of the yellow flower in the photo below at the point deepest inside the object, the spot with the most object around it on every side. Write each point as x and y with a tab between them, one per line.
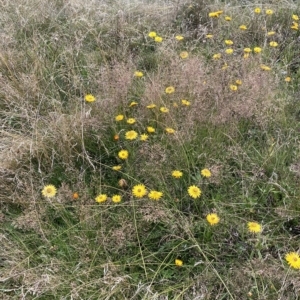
150	129
119	118
139	191
233	87
257	10
238	82
295	26
217	56
89	98
131	135
49	191
205	173
209	36
269	12
257	49
133	103
170	90
152	34
265	68
229	51
247	50
273	44
158	39
179	37
271	33
185	102
215	14
228	42
254	227
287	79
213	219
117	168
123	154
138	74
131	121
164	109
243	27
227	18
151	106
101	198
295	17
155	195
293	259
178	262
184	54
116	198
194	191
170	130
177	174
225	66
144	137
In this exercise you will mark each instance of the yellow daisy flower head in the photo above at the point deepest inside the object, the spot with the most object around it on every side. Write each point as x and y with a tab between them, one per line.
130	121
217	56
170	130
293	259
206	173
177	173
89	98
288	79
295	26
152	34
228	42
133	103
131	135
155	195
139	191
151	106
233	87
215	14
117	168
269	12
247	50
265	68
254	227
209	36
101	198
243	27
185	102
164	109
270	33
49	191
238	82
227	18
229	51
116	198
212	219
170	90
273	44
138	74
119	118
194	191
123	154
144	137
158	39
178	262
295	17
184	54
179	37
257	10
150	129
257	49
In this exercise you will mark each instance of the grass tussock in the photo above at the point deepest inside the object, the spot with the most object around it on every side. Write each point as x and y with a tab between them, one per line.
141	157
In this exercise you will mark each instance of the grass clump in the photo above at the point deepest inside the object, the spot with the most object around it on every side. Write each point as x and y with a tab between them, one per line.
149	150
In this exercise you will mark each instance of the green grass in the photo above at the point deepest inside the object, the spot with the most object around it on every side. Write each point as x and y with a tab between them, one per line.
52	55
